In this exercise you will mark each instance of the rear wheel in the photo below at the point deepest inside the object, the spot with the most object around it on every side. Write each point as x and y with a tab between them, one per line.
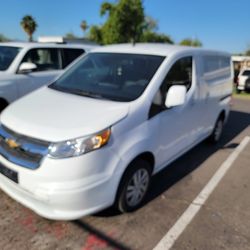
247	86
133	186
218	128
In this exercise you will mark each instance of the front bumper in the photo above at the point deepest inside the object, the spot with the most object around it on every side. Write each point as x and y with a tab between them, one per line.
66	189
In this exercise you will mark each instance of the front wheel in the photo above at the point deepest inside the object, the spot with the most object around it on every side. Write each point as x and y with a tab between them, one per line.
133	186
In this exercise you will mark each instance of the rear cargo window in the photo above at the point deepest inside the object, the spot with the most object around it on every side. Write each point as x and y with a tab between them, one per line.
216	68
214	63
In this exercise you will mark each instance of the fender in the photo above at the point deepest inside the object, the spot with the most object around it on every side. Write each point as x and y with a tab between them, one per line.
8	90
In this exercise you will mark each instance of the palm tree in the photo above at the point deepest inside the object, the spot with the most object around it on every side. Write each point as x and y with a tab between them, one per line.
84	26
29	25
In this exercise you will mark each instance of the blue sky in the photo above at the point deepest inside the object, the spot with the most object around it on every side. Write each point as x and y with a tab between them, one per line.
219	24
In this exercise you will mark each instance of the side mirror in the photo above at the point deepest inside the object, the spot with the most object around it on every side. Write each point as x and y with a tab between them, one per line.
176	96
26	67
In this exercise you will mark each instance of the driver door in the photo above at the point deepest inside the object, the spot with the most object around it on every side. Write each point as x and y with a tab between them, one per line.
177	126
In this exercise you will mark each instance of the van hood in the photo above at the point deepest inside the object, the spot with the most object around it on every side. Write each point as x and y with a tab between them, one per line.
5	76
51	115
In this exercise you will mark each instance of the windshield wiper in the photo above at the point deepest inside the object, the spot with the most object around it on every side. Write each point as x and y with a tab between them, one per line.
86	93
77	92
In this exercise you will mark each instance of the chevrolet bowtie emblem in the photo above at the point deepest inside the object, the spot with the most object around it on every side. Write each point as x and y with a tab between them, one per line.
12	143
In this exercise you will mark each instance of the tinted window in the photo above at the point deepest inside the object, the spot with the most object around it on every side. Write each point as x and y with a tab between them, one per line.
179	74
7	55
224	62
120	77
69	55
45	59
216	68
246	73
214	63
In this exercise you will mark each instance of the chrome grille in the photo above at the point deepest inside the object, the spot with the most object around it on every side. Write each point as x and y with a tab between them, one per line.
22	150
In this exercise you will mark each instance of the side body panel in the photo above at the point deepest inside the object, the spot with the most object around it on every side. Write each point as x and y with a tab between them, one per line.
216	91
182	127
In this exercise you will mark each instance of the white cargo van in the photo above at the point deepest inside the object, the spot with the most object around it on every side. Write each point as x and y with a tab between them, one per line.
116	117
243	81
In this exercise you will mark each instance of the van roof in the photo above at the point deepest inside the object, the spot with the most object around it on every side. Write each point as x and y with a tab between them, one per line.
30	45
153	49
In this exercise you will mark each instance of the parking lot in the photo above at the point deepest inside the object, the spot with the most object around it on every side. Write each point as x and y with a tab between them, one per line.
223	221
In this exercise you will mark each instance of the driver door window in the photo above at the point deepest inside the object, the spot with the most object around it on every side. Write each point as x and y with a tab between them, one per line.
45	59
179	74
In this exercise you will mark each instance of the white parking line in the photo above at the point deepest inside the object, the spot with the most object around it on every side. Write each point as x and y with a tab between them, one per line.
173	234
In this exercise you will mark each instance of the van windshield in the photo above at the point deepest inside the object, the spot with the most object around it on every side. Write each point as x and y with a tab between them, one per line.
112	76
7	55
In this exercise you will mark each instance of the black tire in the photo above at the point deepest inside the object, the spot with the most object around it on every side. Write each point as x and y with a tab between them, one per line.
217	131
238	91
123	200
3	105
247	86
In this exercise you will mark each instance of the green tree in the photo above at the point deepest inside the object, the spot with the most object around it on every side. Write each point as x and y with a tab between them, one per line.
3	38
150	24
106	7
153	37
150	34
247	52
70	35
191	42
124	21
29	25
84	26
95	34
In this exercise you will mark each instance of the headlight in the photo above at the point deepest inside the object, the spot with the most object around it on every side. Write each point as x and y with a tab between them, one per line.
79	146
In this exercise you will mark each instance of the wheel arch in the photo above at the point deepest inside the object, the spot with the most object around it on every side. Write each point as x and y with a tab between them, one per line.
222	115
145	156
3	103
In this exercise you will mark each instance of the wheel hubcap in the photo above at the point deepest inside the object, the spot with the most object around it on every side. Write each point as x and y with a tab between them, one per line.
137	187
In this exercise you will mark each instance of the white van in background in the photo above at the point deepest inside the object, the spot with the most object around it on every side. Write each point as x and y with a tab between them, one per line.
25	67
243	81
116	117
